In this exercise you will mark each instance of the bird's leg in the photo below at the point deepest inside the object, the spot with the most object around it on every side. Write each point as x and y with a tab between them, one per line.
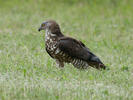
59	63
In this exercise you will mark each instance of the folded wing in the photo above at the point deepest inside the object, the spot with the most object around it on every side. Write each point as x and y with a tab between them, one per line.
76	49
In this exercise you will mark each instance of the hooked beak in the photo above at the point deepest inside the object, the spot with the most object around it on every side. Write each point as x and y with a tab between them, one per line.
39	29
43	26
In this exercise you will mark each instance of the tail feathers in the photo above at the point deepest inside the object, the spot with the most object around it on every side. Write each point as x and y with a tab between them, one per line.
96	63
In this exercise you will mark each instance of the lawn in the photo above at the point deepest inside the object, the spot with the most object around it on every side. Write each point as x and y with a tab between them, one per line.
28	73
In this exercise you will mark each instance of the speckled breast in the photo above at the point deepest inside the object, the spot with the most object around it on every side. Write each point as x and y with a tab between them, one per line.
55	52
51	45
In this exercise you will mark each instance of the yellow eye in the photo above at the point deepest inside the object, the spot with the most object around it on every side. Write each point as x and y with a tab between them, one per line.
43	25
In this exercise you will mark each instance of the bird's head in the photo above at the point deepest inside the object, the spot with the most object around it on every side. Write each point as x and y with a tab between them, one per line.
51	26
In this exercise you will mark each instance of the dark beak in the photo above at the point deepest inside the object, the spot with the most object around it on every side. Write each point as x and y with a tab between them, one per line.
39	29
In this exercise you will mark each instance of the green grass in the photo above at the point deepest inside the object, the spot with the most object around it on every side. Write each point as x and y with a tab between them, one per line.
28	73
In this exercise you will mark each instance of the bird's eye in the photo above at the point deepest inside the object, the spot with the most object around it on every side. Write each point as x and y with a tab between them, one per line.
43	25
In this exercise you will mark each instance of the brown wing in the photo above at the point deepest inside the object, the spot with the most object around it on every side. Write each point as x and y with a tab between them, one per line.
73	48
76	49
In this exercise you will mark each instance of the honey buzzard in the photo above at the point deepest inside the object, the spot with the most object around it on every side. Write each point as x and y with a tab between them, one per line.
66	49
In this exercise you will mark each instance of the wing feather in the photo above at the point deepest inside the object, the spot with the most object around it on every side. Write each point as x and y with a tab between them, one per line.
76	49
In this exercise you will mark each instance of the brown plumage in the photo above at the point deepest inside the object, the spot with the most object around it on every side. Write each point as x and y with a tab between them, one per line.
68	50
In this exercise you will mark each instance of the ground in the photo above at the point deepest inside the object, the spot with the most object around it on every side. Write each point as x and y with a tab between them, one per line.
28	73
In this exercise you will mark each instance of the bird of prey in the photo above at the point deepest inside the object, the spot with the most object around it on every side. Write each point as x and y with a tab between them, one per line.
66	49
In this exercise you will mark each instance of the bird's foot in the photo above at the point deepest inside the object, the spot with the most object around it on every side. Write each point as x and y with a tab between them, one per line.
59	64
